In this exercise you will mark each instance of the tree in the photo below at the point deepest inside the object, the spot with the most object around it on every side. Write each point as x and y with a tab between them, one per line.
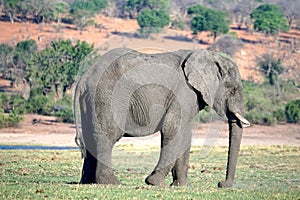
242	11
11	9
134	7
227	44
56	67
22	54
1	6
269	19
207	19
84	10
39	10
92	6
6	55
291	10
272	67
152	20
61	8
14	60
292	111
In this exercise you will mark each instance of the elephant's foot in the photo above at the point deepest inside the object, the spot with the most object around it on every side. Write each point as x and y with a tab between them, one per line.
108	180
225	184
179	183
105	175
85	180
155	179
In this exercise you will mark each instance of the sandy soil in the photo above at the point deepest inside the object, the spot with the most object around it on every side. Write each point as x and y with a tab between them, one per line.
50	132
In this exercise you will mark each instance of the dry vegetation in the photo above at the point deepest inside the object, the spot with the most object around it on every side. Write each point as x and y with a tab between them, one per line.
110	33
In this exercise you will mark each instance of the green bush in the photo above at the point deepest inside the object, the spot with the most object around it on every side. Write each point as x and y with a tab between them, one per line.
260	107
207	19
39	104
153	18
14	119
4	101
260	117
279	114
292	111
207	115
179	24
63	109
3	120
18	104
65	115
269	19
11	120
91	6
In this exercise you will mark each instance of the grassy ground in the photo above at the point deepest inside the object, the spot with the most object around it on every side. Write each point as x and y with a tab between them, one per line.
263	173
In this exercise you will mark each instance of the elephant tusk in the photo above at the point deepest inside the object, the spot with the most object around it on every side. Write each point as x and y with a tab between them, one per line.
245	122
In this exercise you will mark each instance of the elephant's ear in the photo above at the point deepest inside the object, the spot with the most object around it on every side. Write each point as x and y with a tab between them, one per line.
203	74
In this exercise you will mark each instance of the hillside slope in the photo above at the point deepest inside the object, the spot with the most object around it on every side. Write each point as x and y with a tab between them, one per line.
114	32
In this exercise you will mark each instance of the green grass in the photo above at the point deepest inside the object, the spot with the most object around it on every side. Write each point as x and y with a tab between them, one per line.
263	173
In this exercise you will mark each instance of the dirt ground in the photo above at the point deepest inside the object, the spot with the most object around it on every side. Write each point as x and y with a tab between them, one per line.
49	132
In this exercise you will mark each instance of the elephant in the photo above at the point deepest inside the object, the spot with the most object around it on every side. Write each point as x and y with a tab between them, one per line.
126	93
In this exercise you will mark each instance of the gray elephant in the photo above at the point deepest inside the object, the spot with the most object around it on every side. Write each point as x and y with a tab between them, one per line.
126	93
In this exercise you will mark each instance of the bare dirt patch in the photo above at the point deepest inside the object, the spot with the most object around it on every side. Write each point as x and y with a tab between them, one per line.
49	132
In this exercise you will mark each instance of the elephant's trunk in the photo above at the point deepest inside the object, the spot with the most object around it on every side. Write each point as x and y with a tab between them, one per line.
236	123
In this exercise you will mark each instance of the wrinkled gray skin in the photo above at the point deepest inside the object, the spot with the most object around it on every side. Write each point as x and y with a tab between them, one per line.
127	93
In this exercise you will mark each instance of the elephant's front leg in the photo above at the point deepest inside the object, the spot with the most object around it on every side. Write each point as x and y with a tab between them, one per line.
165	163
171	150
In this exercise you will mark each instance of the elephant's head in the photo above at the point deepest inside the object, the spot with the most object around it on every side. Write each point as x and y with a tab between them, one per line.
217	81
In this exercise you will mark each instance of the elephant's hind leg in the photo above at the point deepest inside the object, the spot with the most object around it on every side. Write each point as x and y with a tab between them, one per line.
104	171
89	169
180	170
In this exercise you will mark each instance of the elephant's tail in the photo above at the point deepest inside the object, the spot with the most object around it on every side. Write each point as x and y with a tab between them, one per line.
79	137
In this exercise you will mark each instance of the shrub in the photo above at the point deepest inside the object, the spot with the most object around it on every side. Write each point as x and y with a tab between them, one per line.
261	117
18	104
11	120
39	104
260	107
65	115
228	44
92	6
14	119
271	67
153	18
279	114
268	18
292	111
3	120
207	115
179	24
207	19
63	109
4	101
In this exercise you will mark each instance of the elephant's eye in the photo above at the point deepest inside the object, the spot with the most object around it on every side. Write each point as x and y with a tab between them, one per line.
232	92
